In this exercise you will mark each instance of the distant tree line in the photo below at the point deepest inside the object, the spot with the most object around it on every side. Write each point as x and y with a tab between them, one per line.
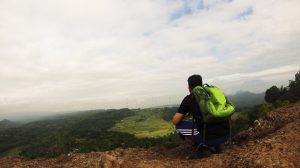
274	97
284	95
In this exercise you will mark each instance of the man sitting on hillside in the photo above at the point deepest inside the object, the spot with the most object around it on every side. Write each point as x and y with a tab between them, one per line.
215	134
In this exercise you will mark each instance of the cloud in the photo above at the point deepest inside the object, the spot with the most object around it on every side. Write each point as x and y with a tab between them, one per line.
62	55
244	14
257	81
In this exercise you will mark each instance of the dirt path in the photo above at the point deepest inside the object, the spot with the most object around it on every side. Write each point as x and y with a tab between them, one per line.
274	142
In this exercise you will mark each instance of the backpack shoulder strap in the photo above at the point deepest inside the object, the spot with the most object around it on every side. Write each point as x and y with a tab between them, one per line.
206	84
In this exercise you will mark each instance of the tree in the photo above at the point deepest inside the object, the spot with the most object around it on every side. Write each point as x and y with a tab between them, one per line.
272	94
294	88
260	111
297	76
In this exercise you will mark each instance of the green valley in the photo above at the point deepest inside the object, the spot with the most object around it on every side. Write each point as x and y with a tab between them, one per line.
86	131
144	124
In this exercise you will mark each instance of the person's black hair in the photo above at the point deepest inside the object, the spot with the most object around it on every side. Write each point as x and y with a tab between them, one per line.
194	80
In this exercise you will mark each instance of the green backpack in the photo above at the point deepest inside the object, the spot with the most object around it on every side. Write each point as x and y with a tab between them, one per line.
213	104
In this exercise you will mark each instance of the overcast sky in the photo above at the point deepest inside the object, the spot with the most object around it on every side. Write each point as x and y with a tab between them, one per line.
64	55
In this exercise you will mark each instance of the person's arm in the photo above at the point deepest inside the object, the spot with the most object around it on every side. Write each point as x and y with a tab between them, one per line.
182	111
177	118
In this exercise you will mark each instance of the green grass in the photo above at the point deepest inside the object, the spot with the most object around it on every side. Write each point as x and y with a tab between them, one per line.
239	115
144	125
12	152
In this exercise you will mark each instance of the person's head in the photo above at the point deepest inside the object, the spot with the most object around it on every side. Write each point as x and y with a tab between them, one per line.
194	80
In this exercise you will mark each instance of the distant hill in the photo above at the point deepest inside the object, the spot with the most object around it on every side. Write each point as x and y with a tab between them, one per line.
246	98
5	124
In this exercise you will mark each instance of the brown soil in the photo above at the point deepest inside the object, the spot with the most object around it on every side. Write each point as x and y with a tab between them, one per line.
272	142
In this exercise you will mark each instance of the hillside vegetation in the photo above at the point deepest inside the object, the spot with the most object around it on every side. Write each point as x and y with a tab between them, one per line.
6	124
89	131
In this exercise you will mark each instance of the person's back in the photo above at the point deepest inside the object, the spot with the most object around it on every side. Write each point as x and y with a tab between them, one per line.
215	133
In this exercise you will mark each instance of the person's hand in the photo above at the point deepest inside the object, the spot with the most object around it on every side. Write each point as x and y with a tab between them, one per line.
177	118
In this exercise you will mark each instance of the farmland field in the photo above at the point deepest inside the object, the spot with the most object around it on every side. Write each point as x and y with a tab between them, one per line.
144	125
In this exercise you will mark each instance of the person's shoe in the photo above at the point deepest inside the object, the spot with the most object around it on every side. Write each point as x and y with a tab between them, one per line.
201	153
217	149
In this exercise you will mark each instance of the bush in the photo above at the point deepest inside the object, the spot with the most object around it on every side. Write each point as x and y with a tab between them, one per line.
260	111
239	122
272	94
281	103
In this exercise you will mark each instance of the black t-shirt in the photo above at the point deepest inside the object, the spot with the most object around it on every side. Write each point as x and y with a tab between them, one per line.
189	105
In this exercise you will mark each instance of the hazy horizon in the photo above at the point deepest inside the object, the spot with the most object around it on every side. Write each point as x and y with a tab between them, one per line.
62	55
37	115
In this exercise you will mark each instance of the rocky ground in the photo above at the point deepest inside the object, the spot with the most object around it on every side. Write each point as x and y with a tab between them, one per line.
274	141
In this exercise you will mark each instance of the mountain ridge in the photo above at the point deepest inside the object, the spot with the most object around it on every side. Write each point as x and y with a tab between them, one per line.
246	98
5	124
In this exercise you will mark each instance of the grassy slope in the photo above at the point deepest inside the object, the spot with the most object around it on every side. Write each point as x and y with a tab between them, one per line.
12	152
144	124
